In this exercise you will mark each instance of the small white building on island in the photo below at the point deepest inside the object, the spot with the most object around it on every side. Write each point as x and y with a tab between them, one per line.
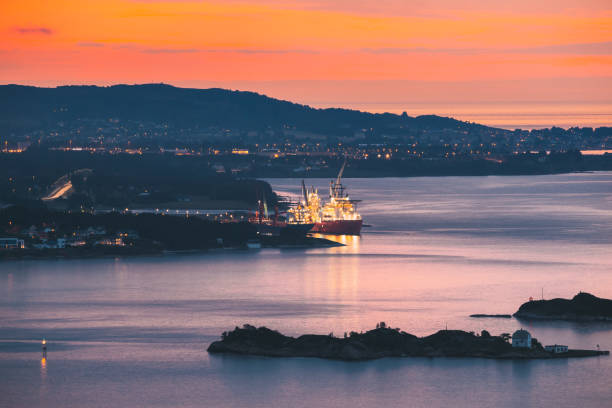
556	348
521	338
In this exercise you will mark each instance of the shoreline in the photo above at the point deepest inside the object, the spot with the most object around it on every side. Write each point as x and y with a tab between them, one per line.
571	353
565	318
432	175
104	253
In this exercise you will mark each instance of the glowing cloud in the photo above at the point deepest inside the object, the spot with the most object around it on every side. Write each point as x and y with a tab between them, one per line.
190	42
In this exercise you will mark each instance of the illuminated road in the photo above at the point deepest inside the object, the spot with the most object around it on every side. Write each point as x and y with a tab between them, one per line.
58	192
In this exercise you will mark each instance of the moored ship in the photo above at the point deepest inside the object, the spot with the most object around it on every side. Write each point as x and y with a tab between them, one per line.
273	226
339	216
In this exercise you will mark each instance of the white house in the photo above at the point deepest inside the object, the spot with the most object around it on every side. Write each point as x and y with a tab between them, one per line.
556	348
521	338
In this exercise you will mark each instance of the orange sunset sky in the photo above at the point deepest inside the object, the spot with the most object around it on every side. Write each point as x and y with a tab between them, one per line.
347	52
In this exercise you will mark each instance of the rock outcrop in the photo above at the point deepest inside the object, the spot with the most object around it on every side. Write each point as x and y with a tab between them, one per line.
583	307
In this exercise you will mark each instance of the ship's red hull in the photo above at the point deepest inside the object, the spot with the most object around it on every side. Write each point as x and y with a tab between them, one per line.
339	227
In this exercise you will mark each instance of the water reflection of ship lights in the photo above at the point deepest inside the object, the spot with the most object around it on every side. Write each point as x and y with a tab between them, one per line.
350	242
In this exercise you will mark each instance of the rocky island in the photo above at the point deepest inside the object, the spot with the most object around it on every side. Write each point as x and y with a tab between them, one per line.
582	307
382	342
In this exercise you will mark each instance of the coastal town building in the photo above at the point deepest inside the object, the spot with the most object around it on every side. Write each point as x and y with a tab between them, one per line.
556	348
48	236
59	243
521	339
11	243
113	241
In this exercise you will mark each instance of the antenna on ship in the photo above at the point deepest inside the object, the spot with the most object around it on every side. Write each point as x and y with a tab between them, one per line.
341	171
265	206
304	194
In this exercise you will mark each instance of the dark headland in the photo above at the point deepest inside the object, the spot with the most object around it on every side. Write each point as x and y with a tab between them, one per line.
112	234
381	342
254	136
582	307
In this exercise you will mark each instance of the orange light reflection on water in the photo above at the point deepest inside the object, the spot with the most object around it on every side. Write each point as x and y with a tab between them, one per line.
350	242
43	369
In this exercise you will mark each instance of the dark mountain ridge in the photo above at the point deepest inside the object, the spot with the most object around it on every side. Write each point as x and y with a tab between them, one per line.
25	108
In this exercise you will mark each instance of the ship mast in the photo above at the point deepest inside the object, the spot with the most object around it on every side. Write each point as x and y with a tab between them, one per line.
340	173
304	194
335	189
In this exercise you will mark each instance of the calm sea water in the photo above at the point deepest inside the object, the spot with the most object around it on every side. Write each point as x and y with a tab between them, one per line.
133	332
